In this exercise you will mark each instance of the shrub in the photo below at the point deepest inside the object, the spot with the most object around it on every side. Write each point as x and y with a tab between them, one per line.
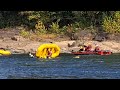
112	24
63	30
24	33
40	28
54	28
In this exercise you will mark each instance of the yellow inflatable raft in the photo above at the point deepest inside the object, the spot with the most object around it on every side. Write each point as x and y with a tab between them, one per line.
42	51
4	52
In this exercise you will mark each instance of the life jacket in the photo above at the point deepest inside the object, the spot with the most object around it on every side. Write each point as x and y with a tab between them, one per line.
97	48
88	48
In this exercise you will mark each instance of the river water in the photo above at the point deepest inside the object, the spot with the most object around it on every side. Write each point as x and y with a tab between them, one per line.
63	67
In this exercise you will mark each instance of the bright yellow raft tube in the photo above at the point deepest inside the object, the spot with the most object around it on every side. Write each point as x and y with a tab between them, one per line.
42	50
4	52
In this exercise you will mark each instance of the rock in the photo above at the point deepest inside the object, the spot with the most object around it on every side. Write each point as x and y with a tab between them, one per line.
72	45
99	38
13	38
18	51
18	38
84	35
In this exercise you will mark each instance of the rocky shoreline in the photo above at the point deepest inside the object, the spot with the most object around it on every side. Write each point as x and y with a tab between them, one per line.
21	45
11	40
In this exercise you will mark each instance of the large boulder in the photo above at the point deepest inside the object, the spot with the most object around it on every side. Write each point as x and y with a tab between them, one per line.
99	38
82	35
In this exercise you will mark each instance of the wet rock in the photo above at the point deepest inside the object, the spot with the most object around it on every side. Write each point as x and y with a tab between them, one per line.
18	51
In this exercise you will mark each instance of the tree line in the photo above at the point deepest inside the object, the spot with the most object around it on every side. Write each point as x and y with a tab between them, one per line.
60	21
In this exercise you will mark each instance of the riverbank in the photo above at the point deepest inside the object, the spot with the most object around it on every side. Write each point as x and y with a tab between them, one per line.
17	44
113	46
26	46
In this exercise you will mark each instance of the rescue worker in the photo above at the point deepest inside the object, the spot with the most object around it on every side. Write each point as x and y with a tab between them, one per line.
81	48
97	48
88	48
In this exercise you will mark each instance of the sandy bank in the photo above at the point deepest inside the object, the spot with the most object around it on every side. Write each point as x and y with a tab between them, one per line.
105	45
24	45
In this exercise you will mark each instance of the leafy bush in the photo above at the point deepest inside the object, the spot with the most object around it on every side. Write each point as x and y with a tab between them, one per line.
63	30
24	33
40	28
54	28
112	24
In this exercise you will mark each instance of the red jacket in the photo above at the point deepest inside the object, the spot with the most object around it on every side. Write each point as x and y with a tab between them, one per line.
97	48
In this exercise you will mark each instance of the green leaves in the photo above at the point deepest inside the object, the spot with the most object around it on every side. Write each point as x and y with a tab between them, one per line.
57	21
55	27
40	28
111	24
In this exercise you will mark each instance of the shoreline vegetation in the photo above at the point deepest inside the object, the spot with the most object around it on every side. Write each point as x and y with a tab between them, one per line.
24	31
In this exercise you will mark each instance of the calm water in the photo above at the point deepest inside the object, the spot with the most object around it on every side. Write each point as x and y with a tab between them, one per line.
63	67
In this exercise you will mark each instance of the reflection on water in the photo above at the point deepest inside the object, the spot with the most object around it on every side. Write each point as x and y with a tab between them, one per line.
63	67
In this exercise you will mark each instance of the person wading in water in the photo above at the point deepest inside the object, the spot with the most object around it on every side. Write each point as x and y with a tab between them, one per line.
49	53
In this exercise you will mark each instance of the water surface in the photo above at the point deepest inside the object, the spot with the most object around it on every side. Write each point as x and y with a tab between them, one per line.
63	67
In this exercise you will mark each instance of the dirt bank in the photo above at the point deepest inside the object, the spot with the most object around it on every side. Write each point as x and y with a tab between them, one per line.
105	45
17	44
25	46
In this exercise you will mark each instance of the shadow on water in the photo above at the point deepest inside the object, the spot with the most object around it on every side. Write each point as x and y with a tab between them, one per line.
63	67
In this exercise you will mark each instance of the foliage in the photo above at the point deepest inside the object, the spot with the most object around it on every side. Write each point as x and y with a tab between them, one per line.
24	33
43	22
64	30
40	28
55	27
112	24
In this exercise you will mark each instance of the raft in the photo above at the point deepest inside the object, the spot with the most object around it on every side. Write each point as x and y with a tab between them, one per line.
42	50
102	52
5	52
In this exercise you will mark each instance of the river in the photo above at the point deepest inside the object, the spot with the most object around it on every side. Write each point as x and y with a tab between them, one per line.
22	66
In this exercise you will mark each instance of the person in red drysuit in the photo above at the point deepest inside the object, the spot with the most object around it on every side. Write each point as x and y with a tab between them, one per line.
88	48
97	48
